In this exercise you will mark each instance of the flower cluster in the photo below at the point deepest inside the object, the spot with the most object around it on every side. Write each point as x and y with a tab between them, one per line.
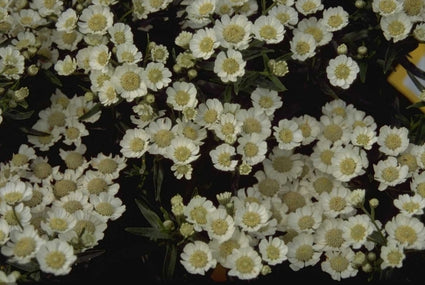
210	92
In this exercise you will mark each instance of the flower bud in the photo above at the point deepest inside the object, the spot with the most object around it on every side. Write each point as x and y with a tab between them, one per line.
186	230
342	49
374	202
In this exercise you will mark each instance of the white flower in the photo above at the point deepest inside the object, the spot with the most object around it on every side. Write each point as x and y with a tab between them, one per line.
419	32
74	201
196	212
196	258
229	65
417	184
286	14
244	263
356	230
94	183
156	76
386	7
74	159
67	40
396	27
393	140
348	163
183	39
12	63
301	252
252	148
56	257
159	53
233	33
318	182
67	21
389	173
74	131
220	225
128	53
222	157
335	18
108	94
203	43
209	112
99	57
222	249
283	165
287	134
266	99
227	128
120	33
339	264
251	216
316	28
267	186
109	165
134	143
161	135
58	220
342	71
128	81
309	127
273	250
181	95
336	203
254	121
4	232
95	19
329	235
364	137
107	206
307	7
303	46
190	130
16	216
182	151
199	11
15	192
410	205
306	219
46	8
268	29
392	255
406	231
23	245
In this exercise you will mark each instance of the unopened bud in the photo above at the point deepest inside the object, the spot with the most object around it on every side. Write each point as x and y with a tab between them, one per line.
192	73
342	49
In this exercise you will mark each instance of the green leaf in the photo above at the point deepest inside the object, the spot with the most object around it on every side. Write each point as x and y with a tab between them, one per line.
27	267
278	84
33	132
53	78
377	238
153	219
88	255
16	115
169	261
152	233
96	108
158	177
416	105
363	71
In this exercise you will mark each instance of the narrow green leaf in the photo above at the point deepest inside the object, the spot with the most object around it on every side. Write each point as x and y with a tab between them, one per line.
152	233
53	78
415	81
153	219
158	177
169	261
33	132
363	71
89	255
276	81
16	115
416	105
96	108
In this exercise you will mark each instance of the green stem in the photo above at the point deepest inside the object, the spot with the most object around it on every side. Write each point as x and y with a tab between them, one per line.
372	218
17	219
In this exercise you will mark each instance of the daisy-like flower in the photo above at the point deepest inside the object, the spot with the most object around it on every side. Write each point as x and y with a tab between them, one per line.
73	202
252	148
64	183
414	9
183	39
57	220
16	216
120	33
128	81
197	258
336	107
419	32
222	157
128	53
10	278
273	250
161	135
308	7
287	134
268	29
12	63
29	18
15	192
220	225
335	129
342	71
309	126
74	131
406	231
197	210
4	232
203	43
23	245
95	19
319	182
339	264
233	33
94	183
42	195
181	95
134	143
410	205
417	184
67	40
56	257
392	255
21	159
393	140
99	57
335	18
386	7
74	159
306	219
287	15
227	128
356	230
108	94
229	65
190	130
336	203
249	195
408	157
24	40
41	170
182	170
316	28
159	53
199	11
283	165
301	252
363	137
322	154
222	250
209	112
396	27
267	186
109	165
252	216
46	8
329	235
156	76
245	263
303	46
107	206
182	151
254	121
348	163
266	99
67	21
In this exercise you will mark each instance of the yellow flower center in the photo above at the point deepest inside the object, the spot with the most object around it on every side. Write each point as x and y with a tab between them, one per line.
348	166
250	149
251	125
334	238
130	81
302	48
155	75
24	247
97	23
306	222
286	135
137	144
322	184
332	132
58	224
107	165
163	138
206	44
230	66
268	187
97	185
304	252
339	263
219	227
55	259
198	259
405	234
105	209
390	174
396	28
268	32
282	164
387	6
233	33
